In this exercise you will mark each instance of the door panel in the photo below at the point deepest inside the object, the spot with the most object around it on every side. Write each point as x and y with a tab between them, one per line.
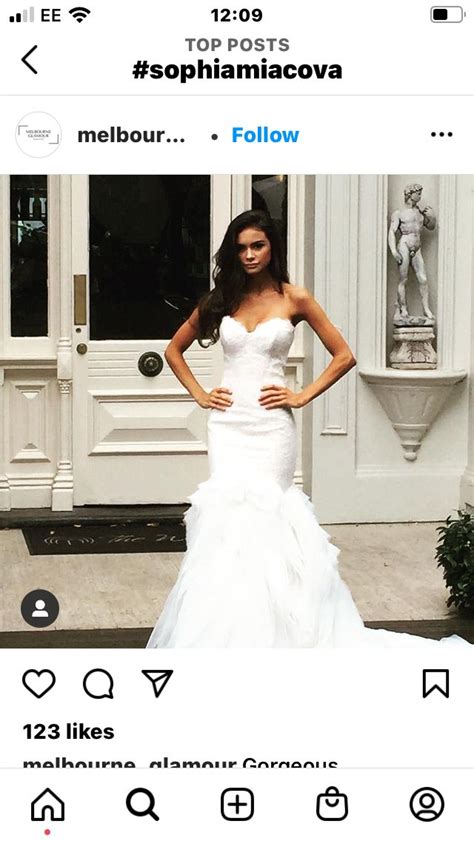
146	257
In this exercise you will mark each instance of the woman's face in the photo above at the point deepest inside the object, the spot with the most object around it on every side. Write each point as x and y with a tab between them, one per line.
254	250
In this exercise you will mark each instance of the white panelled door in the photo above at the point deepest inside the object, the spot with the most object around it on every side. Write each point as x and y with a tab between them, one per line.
141	253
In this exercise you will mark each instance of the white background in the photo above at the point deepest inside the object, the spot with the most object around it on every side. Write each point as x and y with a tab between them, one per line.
358	707
337	135
383	48
363	709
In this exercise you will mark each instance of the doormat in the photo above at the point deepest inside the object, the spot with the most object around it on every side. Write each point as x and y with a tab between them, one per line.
112	539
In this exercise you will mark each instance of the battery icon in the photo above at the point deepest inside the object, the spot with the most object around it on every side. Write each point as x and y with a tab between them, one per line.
447	14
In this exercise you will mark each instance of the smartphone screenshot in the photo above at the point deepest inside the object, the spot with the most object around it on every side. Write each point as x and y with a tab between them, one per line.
236	420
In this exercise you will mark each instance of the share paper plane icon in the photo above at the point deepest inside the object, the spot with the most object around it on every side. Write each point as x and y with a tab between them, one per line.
159	679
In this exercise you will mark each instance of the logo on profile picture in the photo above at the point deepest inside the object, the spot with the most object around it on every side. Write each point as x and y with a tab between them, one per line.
38	134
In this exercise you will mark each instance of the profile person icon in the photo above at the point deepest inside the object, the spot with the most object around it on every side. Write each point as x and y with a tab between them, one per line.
426	804
39	610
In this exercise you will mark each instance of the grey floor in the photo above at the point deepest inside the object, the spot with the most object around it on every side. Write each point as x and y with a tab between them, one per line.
390	569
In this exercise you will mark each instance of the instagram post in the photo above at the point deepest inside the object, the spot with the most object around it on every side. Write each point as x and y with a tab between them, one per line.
205	390
237	420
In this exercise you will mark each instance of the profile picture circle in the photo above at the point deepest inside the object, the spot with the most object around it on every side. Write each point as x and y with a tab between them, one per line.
39	608
38	134
426	804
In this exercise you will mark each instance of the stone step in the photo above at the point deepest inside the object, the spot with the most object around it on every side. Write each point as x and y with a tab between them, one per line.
91	514
137	637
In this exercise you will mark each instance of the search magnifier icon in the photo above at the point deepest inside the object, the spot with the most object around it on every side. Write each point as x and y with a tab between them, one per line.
144	803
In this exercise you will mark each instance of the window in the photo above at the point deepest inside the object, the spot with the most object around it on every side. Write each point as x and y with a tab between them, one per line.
149	253
270	193
29	255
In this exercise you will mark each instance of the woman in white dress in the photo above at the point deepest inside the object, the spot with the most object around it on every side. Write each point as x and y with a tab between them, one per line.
259	571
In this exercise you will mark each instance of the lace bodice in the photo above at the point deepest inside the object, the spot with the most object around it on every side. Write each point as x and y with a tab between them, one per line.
256	358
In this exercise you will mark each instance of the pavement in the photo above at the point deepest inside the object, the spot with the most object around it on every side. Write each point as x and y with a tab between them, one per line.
390	569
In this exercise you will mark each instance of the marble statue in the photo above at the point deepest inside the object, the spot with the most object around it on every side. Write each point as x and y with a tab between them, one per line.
409	222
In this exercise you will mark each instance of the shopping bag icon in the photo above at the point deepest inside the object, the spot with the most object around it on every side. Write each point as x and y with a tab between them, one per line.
332	805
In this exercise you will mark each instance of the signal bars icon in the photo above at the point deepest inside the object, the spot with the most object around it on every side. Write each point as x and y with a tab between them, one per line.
79	13
26	16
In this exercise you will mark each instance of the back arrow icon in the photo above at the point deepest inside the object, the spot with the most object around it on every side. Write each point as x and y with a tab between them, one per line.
27	55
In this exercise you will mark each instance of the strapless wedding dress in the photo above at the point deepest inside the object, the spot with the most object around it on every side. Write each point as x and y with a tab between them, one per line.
259	571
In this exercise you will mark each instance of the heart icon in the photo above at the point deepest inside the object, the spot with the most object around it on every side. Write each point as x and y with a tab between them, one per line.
38	683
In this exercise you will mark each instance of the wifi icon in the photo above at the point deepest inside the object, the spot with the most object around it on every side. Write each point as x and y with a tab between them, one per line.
79	13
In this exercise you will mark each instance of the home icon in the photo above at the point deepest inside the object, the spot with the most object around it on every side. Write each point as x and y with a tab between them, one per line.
47	806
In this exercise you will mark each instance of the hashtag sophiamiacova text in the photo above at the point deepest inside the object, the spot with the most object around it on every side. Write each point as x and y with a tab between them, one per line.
215	70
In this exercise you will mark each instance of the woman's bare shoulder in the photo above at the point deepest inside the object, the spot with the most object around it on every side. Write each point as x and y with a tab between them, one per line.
298	297
194	318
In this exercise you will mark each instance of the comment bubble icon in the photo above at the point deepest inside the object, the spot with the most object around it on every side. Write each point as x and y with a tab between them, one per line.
98	684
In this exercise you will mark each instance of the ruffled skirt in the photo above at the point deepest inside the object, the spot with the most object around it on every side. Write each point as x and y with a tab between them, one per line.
259	571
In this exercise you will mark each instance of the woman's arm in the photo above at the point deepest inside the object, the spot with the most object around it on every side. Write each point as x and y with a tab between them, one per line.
343	358
182	339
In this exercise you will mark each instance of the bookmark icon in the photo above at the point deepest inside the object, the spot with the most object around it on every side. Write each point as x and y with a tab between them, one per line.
436	680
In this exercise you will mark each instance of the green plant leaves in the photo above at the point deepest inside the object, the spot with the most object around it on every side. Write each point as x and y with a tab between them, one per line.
455	554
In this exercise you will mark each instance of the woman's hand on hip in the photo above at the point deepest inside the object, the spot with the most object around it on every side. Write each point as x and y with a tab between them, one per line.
217	398
279	397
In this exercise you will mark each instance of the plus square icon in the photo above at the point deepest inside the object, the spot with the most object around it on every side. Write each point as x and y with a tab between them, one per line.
237	804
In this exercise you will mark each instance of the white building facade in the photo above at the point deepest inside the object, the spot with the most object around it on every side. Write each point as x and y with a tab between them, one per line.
95	273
